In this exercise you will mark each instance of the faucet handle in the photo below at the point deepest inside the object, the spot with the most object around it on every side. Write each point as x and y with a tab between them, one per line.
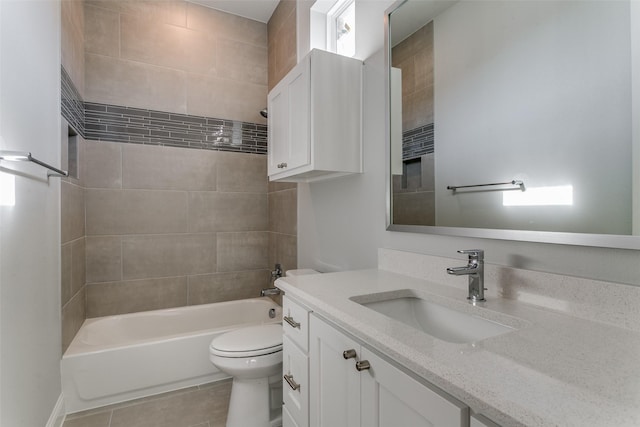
477	254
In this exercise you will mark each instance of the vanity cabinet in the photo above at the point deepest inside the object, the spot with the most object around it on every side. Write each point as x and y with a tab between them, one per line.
352	386
315	120
295	364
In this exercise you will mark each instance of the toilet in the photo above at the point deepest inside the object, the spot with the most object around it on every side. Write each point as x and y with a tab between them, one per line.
252	356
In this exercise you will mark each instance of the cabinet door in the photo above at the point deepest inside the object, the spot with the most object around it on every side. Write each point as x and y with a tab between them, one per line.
391	398
289	127
334	382
295	391
278	108
299	116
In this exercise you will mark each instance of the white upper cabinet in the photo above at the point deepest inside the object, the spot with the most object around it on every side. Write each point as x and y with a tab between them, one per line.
315	126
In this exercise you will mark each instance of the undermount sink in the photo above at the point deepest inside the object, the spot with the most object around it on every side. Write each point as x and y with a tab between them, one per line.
441	322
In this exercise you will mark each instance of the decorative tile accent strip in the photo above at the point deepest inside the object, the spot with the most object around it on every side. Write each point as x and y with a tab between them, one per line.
104	122
72	104
417	142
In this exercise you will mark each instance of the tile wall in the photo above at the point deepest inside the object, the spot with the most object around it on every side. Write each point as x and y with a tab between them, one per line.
175	57
154	226
282	41
170	227
126	124
414	56
414	191
73	271
283	197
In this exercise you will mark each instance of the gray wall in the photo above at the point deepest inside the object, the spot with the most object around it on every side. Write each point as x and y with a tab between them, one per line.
30	230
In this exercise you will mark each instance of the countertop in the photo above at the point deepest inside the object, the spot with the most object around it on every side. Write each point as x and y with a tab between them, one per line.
552	370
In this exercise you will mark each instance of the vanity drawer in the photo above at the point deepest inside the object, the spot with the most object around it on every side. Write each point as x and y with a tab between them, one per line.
295	384
295	323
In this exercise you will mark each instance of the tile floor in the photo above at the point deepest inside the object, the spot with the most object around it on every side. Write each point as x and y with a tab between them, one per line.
200	406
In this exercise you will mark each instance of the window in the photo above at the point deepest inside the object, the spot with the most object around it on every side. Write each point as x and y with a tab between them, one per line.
342	19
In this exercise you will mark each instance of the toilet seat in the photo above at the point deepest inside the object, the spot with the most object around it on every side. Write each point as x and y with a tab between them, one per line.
251	341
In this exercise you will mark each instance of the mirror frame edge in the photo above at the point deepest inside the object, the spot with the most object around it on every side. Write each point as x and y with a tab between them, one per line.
613	241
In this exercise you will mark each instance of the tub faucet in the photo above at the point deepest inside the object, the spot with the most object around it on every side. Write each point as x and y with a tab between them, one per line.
276	273
475	270
270	291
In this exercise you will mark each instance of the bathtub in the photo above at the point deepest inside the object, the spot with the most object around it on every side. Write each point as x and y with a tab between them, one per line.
118	358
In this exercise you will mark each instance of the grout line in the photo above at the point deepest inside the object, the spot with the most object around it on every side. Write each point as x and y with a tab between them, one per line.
110	417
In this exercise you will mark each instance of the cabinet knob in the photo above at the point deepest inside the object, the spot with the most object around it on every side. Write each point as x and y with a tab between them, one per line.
349	354
289	379
363	365
281	165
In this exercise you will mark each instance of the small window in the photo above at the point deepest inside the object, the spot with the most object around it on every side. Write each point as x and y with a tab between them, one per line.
341	28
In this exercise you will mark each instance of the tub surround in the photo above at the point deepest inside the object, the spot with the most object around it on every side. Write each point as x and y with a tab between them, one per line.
571	361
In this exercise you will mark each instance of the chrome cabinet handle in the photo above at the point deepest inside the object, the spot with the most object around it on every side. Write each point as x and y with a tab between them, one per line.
291	322
289	379
349	354
281	165
363	365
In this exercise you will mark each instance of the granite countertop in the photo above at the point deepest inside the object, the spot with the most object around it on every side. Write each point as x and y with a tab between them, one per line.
552	370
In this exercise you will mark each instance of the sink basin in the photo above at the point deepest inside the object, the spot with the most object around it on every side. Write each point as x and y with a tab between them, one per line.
441	322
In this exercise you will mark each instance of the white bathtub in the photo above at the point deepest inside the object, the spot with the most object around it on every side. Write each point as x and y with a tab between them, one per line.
117	358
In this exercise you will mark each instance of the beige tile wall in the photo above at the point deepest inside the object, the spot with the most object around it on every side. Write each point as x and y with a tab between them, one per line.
175	56
414	56
282	41
73	276
169	227
72	41
283	225
283	208
73	271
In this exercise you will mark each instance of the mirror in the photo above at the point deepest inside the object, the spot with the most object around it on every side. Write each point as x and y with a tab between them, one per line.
515	120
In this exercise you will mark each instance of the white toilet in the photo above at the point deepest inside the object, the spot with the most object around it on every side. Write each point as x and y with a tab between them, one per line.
251	355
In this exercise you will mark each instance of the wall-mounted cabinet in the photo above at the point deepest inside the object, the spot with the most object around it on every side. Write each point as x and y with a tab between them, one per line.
315	126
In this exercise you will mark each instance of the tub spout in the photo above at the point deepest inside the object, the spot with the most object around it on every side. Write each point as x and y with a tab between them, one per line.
270	291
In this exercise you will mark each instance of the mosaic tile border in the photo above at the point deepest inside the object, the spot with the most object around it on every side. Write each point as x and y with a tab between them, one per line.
114	123
105	122
71	103
417	142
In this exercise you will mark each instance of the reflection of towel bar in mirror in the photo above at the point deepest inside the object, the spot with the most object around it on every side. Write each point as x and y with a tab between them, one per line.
23	156
513	182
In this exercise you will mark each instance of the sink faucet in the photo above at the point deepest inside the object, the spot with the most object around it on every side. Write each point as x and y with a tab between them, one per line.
475	270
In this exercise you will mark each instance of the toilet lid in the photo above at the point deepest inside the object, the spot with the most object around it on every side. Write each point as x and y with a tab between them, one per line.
249	341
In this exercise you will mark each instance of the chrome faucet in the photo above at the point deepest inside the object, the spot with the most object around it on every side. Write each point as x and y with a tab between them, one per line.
475	270
276	273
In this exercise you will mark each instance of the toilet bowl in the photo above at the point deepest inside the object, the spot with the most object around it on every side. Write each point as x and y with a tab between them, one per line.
250	355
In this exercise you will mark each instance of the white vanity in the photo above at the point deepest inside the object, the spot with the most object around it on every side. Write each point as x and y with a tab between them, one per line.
551	365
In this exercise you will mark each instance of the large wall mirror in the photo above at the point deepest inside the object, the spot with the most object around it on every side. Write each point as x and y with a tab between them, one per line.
515	120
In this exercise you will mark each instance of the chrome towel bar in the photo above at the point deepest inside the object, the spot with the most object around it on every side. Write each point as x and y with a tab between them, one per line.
24	156
512	182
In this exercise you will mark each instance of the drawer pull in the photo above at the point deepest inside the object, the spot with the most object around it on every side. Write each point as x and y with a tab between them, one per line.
363	365
289	379
291	322
349	354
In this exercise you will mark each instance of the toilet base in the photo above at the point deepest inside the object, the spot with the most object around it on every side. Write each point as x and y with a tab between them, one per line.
249	404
